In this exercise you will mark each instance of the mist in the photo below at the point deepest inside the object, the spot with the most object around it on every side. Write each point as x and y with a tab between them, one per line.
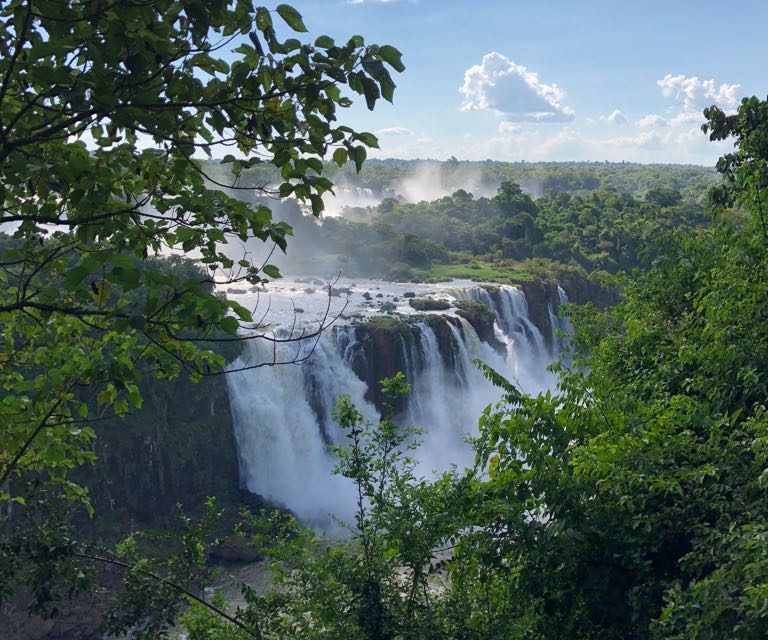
432	181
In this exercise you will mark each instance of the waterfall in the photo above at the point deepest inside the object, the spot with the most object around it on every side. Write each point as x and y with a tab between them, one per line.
561	326
283	414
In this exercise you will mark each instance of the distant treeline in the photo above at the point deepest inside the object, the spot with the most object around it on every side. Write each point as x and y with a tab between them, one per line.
536	178
606	217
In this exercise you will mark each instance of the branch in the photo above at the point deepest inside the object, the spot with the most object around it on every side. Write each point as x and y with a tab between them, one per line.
126	565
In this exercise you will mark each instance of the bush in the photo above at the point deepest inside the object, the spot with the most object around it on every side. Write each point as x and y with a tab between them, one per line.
428	304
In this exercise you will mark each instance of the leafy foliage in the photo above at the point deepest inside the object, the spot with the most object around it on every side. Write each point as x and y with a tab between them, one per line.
104	110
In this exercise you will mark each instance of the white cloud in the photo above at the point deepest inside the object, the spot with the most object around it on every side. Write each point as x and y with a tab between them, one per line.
566	143
617	117
697	94
643	140
686	118
394	131
509	127
651	121
512	91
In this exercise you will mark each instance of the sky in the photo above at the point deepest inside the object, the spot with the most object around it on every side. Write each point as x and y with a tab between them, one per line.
554	80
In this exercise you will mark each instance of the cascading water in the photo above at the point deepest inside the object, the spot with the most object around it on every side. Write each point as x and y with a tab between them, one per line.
283	415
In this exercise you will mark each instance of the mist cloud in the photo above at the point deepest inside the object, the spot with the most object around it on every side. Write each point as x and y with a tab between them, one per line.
513	91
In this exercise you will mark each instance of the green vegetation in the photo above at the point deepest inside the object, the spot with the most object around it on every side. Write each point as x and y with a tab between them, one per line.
509	238
628	504
102	108
428	304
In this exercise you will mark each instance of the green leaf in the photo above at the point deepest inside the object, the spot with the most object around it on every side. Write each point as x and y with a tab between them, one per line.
392	57
317	204
368	139
358	155
325	42
229	325
291	17
241	312
371	92
76	275
340	156
271	270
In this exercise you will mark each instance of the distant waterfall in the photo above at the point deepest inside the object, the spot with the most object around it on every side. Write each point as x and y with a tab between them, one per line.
283	418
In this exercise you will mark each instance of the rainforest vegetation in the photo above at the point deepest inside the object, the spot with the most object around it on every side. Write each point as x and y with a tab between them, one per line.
627	503
537	221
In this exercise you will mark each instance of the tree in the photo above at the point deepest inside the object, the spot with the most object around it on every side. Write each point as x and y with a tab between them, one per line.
631	504
105	108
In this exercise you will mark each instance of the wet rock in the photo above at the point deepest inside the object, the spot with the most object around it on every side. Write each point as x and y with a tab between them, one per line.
481	318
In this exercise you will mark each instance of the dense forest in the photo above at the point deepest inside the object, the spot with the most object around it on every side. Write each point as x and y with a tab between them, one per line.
628	501
589	219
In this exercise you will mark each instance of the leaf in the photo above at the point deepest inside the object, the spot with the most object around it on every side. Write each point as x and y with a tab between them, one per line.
324	42
392	57
368	139
229	325
76	275
371	92
340	156
358	155
256	43
291	17
271	270
241	312
317	204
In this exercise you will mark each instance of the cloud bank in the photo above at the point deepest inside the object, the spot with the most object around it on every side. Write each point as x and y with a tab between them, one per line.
512	91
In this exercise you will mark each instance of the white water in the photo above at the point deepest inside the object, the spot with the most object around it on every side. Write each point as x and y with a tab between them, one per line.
282	414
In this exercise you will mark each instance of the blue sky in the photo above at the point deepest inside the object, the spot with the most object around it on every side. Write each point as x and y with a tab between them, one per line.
555	79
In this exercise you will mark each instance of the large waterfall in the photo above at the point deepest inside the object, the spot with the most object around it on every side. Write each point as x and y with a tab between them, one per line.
283	418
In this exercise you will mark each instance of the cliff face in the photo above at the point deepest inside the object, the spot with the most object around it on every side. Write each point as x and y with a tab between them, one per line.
178	449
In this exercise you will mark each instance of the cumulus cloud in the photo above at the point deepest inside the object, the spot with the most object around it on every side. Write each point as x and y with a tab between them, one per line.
697	94
617	117
652	121
513	91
